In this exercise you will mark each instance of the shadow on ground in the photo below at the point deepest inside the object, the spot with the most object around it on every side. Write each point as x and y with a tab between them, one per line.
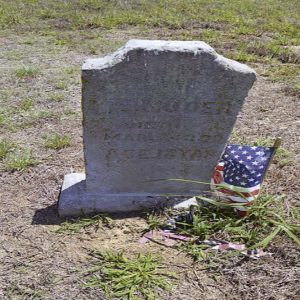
47	216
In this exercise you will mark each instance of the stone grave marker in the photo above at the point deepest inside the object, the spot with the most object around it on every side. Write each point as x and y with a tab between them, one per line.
153	110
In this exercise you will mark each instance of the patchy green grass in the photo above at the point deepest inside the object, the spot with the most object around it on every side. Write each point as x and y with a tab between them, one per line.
57	141
153	222
5	148
8	118
21	116
70	114
60	34
247	31
243	57
57	97
6	93
29	119
61	85
16	291
82	224
71	71
197	251
28	41
236	138
271	50
26	104
139	278
282	72
3	118
267	218
244	17
27	71
19	160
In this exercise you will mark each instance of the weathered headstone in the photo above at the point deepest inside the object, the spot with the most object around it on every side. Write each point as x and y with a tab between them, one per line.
153	110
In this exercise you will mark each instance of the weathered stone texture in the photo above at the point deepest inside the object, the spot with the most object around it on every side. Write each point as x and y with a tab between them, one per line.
158	109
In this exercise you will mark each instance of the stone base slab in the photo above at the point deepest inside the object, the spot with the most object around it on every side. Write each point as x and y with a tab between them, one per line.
74	200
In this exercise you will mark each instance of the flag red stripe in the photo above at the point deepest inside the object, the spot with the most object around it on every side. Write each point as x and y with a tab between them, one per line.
219	168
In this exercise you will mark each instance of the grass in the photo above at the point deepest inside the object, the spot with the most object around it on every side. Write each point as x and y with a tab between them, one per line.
6	147
244	17
6	93
267	218
248	31
26	104
4	116
272	50
139	278
19	160
81	27
71	71
153	222
197	251
287	73
282	72
243	57
57	97
57	141
16	291
22	115
27	71
17	120
82	224
61	85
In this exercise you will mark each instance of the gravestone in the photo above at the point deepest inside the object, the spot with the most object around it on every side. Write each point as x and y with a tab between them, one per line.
153	110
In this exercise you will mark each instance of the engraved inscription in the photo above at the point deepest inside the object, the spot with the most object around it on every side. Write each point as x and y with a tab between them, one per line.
115	154
158	109
173	106
155	136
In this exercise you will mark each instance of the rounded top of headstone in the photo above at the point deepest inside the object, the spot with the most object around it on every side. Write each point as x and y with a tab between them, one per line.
196	48
174	46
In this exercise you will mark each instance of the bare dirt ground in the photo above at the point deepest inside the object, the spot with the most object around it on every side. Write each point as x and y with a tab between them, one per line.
38	263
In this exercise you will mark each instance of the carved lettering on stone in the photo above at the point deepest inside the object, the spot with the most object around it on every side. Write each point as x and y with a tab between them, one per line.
152	110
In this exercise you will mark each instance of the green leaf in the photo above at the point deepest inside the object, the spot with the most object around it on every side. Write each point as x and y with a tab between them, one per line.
265	242
291	235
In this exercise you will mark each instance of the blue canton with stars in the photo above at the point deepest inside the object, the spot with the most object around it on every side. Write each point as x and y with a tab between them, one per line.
245	166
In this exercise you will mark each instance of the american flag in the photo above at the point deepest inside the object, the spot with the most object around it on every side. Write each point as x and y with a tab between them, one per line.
240	173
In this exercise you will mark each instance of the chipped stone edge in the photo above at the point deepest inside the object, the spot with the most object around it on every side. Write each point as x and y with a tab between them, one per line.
194	47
